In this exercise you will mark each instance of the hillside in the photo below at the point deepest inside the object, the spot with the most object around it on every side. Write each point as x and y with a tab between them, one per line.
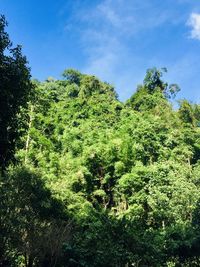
104	183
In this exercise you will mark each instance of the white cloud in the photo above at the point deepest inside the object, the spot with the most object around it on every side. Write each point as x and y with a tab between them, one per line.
108	29
110	14
109	32
194	22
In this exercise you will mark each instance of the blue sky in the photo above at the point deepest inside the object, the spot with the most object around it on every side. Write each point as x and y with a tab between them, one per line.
116	40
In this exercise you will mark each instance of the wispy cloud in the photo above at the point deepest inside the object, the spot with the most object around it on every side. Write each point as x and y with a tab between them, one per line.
107	30
121	38
194	22
125	17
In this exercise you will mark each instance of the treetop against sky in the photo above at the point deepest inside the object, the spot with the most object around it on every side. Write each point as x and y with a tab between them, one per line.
117	40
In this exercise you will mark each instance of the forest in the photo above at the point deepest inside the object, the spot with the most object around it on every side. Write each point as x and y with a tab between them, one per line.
89	181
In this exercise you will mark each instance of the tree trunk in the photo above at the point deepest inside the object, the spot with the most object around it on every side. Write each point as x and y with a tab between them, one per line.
28	135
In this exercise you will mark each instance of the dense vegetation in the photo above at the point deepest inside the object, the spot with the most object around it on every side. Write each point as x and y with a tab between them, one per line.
87	180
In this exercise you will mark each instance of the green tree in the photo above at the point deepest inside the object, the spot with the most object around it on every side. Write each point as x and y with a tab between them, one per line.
15	86
127	174
34	224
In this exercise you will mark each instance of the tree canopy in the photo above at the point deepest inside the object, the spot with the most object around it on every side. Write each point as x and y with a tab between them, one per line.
96	182
15	87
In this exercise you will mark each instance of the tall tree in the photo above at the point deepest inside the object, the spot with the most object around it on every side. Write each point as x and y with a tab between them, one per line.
15	86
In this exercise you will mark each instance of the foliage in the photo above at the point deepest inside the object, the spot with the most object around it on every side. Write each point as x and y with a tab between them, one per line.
98	182
15	87
30	217
124	172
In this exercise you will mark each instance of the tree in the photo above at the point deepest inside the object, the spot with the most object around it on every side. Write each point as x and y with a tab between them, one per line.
15	87
125	173
153	82
154	93
187	112
34	224
73	76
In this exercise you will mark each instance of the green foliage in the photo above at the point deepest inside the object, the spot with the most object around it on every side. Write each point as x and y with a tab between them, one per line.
124	172
153	82
73	76
99	183
30	218
189	113
154	93
15	87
